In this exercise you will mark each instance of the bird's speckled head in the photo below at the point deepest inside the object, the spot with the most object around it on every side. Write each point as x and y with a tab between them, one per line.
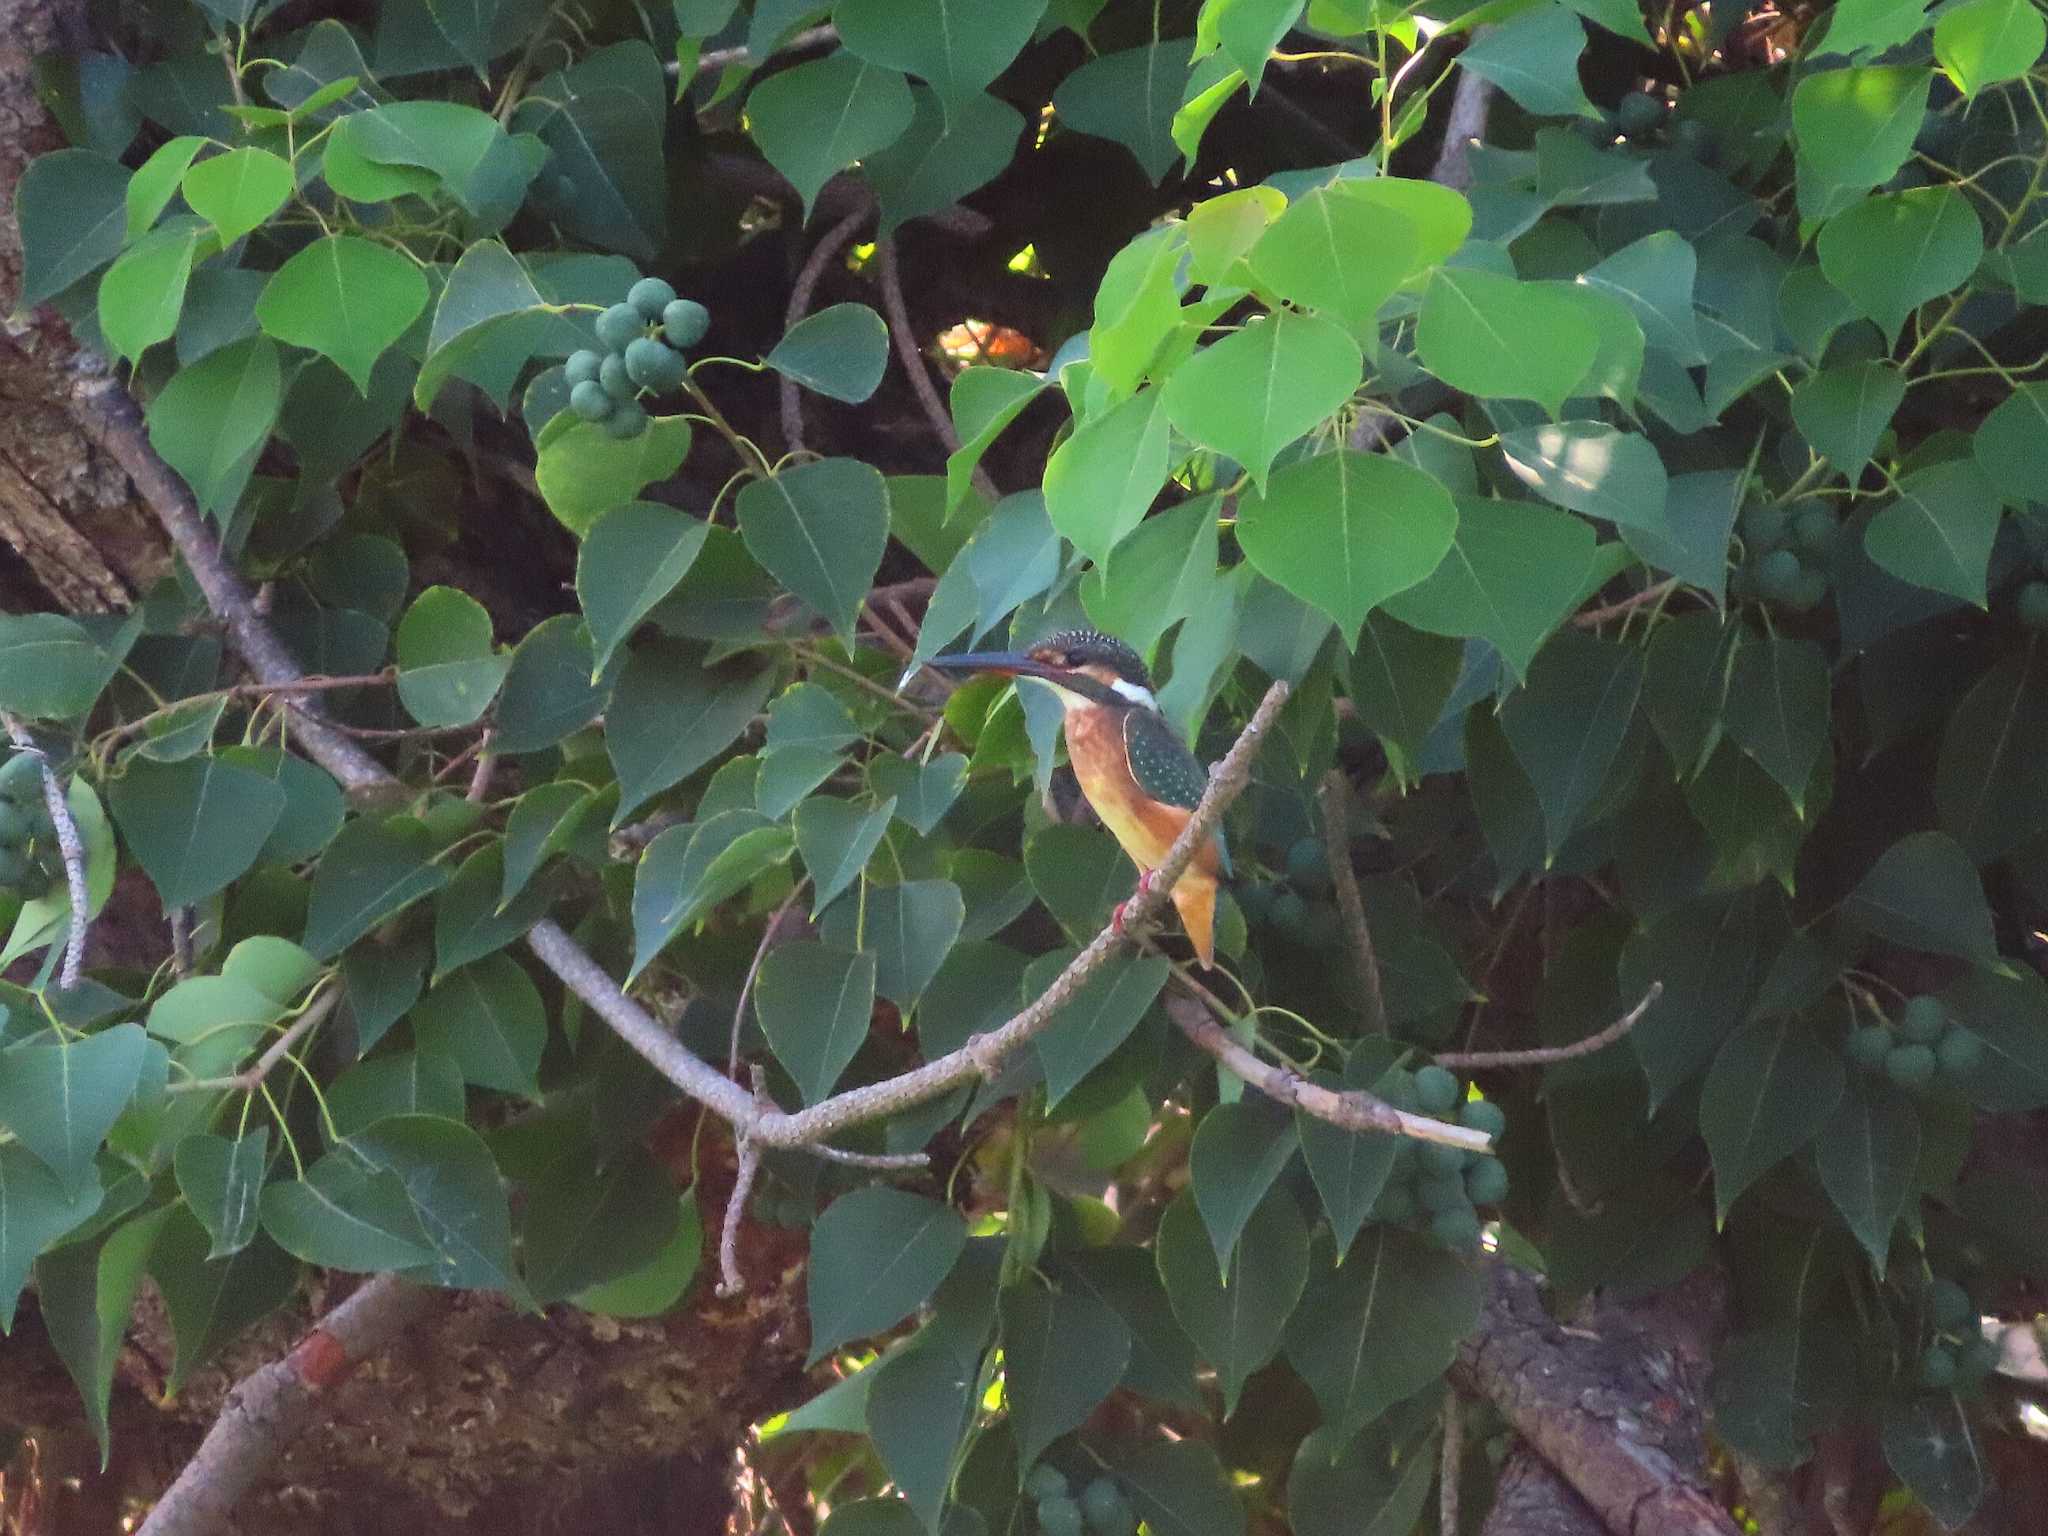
1102	657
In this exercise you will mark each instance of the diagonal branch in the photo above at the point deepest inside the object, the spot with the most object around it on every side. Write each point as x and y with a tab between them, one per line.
1335	801
1543	1055
70	847
905	337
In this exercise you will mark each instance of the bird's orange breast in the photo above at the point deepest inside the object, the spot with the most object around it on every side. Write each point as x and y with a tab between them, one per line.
1146	828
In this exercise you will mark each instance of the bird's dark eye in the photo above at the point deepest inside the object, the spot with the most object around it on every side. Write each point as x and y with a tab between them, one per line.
1074	658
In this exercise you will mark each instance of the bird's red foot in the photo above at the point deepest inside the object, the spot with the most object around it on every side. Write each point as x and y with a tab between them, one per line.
1116	918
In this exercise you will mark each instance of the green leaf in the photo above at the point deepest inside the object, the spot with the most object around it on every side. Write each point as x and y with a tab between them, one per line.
1137	306
1923	892
909	928
488	1019
1080	874
1854	129
1843	411
200	1007
1263	386
1130	98
238	191
1382	1325
59	1100
603	121
1777	1386
1653	278
876	1255
840	352
657	1286
484	169
51	668
814	1003
584	472
448	672
1501	338
835	839
213	418
88	1292
1349	1168
1986	792
2010	1015
984	401
923	792
1777	708
1163	573
457	1194
545	821
221	1181
347	298
1938	533
470	921
549	689
916	1413
34	1212
1360	1488
1238	1151
488	321
1062	1355
1709	954
1593	469
1856	26
1101	480
670	715
1339	251
344	1215
632	557
1769	1091
1893	253
1178	1488
1095	1020
1236	1322
1512	574
1929	1443
819	529
1535	59
396	1083
143	293
373	870
586	1224
947	152
1347	531
194	825
689	869
1700	510
1987	42
2010	441
1567	724
816	119
71	206
1868	1154
957	46
213	1301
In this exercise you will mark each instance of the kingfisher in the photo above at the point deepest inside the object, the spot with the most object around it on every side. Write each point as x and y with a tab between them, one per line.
1134	769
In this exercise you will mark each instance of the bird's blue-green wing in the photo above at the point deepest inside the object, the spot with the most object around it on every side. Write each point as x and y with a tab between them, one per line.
1163	767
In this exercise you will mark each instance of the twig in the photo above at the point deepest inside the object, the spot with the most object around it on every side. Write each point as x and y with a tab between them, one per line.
1594	617
486	770
913	360
800	305
250	1078
271	1406
768	940
180	919
1544	1054
1335	801
730	1281
1352	1109
70	847
719	58
1447	1468
1470	100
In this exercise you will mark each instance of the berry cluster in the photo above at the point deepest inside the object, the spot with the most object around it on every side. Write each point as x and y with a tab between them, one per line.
1101	1509
1928	1042
1642	118
29	861
1434	1185
1300	909
1787	555
644	339
1960	1357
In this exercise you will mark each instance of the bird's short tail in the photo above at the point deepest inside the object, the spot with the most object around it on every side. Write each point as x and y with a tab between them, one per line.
1195	899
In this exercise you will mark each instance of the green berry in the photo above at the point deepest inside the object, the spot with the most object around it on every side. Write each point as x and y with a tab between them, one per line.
1105	1508
1483	1115
1814	530
627	420
1938	1367
1398	1088
21	779
652	365
589	401
1976	1358
1639	113
2032	605
611	373
1457	1230
1910	1066
650	296
1290	914
1046	1481
582	367
1440	1192
1949	1303
1396	1205
1764	526
684	322
1486	1182
1777	575
1436	1090
1308	866
1923	1020
1439	1158
1869	1046
619	325
1807	590
1059	1517
1959	1054
17	824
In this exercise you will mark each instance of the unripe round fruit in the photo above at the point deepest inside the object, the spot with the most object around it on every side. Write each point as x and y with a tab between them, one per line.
627	420
21	779
619	325
1059	1517
1398	1089
2032	605
1483	1115
1438	1158
1922	1021
1807	589
1869	1046
1440	1192
1290	914
581	368
1486	1182
1777	574
1639	113
589	401
1976	1358
650	296
1105	1508
1949	1303
1814	530
684	322
1764	526
652	365
1046	1481
1308	865
1457	1230
1436	1090
1938	1367
1910	1066
1396	1205
611	373
1959	1054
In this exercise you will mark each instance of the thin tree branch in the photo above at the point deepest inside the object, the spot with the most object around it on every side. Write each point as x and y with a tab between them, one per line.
1592	618
730	1281
800	305
1452	1459
1543	1055
1335	800
1471	99
913	360
251	1077
719	58
70	848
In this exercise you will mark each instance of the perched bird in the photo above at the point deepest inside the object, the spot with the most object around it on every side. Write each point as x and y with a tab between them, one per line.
1136	772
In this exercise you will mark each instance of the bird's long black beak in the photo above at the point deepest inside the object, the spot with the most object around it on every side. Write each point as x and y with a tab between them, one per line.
1002	663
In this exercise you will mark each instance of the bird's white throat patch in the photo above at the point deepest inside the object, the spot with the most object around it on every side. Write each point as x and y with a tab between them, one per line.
1135	692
